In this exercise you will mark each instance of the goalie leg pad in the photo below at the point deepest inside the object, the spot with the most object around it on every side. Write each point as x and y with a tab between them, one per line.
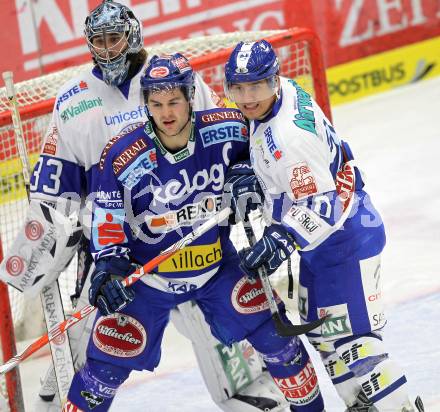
94	386
290	367
42	249
342	378
379	377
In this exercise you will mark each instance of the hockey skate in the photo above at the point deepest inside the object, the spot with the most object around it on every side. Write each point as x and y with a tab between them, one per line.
362	404
418	404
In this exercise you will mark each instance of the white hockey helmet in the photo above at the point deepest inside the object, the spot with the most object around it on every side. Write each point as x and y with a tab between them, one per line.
110	21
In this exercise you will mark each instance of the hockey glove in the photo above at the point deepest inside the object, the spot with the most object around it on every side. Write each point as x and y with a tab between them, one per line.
270	251
241	192
106	290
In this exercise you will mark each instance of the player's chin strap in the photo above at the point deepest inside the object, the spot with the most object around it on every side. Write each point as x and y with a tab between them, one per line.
282	328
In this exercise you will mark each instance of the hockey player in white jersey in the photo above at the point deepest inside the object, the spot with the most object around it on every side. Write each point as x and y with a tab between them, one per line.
315	199
152	187
89	111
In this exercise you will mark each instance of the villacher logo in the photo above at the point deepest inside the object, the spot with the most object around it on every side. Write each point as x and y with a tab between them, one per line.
120	335
250	298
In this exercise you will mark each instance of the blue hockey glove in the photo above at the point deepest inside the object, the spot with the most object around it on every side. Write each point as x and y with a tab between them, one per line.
106	290
241	192
270	251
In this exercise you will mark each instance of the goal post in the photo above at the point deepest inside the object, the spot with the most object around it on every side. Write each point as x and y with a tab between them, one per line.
300	58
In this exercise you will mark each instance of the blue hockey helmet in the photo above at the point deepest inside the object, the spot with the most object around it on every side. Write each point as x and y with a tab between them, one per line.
119	33
169	72
251	62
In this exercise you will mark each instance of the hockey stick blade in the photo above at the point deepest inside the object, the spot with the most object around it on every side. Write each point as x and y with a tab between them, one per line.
286	330
128	281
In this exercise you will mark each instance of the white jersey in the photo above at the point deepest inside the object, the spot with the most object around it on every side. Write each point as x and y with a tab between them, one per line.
298	159
87	114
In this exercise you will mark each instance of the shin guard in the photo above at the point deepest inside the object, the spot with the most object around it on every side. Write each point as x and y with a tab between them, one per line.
94	386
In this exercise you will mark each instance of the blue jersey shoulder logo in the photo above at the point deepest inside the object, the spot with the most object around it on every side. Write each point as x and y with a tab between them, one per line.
223	132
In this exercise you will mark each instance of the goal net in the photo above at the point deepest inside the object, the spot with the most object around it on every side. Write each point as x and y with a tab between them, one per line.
300	58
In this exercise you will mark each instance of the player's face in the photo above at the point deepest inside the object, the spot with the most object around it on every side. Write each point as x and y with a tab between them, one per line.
109	45
170	110
254	99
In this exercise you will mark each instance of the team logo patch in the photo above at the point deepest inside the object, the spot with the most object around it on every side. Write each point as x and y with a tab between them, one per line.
33	230
127	129
81	107
371	285
302	388
119	335
92	400
78	88
182	64
224	132
193	258
141	166
50	143
237	361
188	215
302	181
337	324
109	227
159	72
128	155
345	184
271	144
223	115
15	265
250	298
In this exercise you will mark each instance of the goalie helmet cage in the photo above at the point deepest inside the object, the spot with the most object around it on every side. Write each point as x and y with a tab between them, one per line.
300	56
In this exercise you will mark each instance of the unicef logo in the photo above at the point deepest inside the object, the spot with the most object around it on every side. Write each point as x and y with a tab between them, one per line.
34	230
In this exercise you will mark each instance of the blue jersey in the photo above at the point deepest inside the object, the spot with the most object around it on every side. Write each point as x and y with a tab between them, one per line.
147	197
87	114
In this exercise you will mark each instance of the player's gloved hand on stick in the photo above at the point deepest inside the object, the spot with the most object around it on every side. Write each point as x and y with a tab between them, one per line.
270	251
106	290
241	192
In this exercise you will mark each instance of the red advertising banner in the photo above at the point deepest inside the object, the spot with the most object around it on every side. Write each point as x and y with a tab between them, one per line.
44	35
352	29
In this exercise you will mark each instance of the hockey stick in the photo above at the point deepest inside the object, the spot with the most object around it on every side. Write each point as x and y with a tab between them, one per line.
50	295
282	328
59	329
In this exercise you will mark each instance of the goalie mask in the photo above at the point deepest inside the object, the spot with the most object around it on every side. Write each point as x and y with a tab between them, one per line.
251	62
113	33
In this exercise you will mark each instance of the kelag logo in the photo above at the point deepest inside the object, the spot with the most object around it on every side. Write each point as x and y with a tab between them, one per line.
78	88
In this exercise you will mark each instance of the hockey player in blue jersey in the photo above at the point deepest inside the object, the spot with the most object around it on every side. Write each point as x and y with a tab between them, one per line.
153	185
315	198
97	104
